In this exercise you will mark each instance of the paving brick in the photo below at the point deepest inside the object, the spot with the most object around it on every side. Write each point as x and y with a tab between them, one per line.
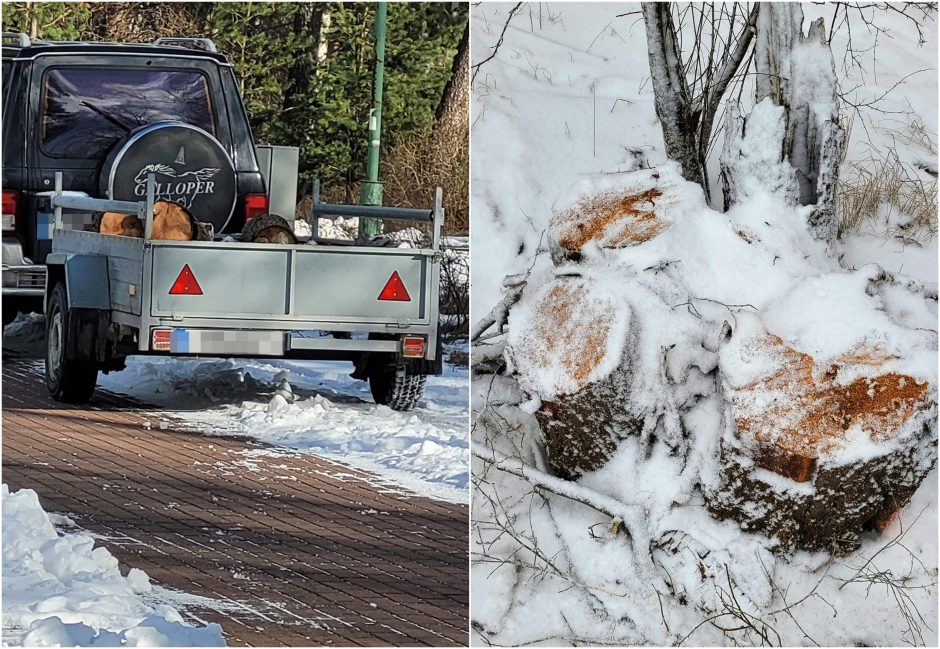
291	562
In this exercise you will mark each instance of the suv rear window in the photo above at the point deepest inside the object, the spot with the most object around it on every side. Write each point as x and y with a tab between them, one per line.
86	110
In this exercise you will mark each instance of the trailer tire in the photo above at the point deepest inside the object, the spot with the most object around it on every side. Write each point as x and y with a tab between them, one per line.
68	379
396	387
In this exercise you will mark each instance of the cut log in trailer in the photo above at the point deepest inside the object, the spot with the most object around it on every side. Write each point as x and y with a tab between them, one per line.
115	296
269	228
171	222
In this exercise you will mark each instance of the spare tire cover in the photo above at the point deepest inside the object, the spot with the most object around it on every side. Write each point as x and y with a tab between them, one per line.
190	167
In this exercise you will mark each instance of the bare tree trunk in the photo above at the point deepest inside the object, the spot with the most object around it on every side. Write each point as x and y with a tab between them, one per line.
778	27
307	21
453	105
673	104
452	118
687	121
323	45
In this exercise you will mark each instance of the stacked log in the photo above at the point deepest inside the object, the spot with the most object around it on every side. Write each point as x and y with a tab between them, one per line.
812	456
171	222
571	340
568	348
268	228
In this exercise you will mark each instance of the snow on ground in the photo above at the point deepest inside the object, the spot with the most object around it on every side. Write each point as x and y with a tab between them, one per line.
60	590
568	98
325	412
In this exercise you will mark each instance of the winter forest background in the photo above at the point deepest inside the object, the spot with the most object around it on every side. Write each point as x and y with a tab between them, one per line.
305	71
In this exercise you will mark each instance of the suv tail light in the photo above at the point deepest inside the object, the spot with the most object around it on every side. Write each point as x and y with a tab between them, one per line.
9	210
255	205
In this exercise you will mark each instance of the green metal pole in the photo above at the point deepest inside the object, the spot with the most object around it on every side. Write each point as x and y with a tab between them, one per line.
371	192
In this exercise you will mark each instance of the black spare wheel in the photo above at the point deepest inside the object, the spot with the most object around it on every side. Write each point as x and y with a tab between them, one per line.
190	167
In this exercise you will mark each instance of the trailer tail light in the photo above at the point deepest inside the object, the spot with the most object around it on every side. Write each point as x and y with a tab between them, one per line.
395	290
9	210
412	347
255	205
160	340
186	283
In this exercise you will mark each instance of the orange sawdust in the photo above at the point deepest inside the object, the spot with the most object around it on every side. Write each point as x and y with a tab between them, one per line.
815	413
580	342
590	220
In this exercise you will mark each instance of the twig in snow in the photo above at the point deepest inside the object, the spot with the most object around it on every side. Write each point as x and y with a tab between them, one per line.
502	34
870	575
737	618
628	512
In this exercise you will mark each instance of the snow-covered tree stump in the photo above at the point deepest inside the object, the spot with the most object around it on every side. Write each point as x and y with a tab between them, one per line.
568	345
615	211
814	454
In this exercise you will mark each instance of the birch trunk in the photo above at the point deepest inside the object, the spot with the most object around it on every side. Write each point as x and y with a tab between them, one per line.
673	104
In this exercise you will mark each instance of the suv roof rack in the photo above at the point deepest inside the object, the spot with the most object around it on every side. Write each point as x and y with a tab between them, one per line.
204	44
18	39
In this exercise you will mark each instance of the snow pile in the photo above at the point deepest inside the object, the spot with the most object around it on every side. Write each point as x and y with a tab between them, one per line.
26	334
315	406
62	591
374	435
302	228
338	228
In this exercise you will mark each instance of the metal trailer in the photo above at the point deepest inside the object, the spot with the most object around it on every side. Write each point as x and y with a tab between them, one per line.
122	296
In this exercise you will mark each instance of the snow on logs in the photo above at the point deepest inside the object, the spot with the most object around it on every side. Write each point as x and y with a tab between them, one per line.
568	342
615	211
815	452
827	388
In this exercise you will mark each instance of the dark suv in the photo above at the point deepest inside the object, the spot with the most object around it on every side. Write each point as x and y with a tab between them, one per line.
106	115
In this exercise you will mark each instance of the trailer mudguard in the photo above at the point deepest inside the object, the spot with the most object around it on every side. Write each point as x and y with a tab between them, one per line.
86	280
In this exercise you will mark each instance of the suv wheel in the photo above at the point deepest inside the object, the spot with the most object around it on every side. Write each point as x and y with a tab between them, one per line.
11	309
396	388
67	378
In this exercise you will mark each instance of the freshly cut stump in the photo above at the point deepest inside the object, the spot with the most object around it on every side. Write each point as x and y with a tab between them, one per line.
616	211
568	346
813	460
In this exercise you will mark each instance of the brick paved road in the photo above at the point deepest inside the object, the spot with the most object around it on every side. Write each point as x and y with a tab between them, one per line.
295	549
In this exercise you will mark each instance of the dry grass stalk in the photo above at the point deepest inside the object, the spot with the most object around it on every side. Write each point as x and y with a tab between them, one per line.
883	190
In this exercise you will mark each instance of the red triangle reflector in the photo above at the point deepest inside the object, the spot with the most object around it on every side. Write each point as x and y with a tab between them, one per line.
395	290
186	283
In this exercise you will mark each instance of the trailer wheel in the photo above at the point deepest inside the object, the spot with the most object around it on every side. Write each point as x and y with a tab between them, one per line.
396	388
67	378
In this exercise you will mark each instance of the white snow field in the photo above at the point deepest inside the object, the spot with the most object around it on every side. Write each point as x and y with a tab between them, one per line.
564	105
316	407
61	591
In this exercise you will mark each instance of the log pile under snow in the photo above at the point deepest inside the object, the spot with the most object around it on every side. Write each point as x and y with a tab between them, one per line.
824	379
574	353
815	453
